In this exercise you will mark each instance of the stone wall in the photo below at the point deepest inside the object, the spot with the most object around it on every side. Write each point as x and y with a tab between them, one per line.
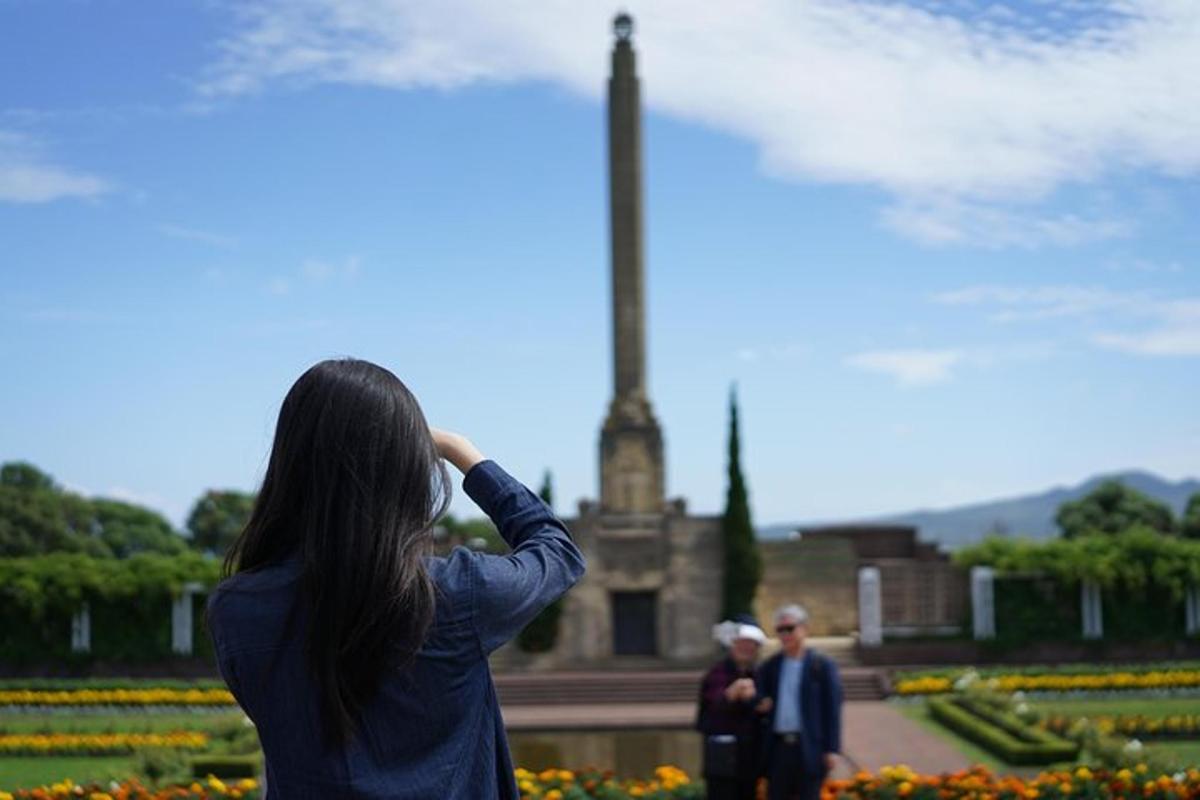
820	573
923	592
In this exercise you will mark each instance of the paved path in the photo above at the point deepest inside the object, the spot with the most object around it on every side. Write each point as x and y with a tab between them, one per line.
875	734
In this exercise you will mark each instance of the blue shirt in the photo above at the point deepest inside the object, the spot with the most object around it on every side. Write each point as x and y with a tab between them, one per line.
787	714
434	730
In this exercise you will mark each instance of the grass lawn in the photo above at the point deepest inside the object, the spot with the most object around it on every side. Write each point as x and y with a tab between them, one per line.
26	773
131	722
1150	706
1187	752
1179	752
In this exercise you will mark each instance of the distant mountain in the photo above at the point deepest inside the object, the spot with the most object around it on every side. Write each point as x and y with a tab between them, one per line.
1031	515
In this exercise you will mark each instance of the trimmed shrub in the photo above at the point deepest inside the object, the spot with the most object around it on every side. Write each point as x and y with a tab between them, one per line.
1025	746
226	766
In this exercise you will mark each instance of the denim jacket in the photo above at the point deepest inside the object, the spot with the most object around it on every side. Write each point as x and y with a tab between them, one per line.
435	729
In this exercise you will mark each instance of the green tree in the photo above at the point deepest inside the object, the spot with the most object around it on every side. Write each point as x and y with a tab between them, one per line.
23	475
1189	526
743	563
1112	507
547	490
217	519
463	531
37	517
127	529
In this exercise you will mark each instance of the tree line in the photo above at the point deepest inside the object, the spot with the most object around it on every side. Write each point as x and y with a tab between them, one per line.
38	517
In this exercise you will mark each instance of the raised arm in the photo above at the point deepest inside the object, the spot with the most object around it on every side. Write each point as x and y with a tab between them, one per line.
510	590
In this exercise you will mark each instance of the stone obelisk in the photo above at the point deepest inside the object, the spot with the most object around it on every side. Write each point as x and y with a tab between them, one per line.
631	448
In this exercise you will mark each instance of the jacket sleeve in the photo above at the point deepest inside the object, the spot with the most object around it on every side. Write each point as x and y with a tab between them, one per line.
831	703
713	690
510	590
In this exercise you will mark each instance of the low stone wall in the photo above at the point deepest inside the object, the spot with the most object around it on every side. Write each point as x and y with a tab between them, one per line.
965	652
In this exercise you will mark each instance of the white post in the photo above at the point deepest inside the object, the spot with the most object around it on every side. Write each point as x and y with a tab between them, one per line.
983	602
81	630
1093	614
181	620
870	607
1192	605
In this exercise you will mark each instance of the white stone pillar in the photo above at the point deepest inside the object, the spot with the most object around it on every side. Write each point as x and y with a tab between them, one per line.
983	602
1093	614
181	619
81	630
870	607
1192	606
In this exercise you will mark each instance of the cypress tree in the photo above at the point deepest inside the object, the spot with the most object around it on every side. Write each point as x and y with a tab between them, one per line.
547	490
743	564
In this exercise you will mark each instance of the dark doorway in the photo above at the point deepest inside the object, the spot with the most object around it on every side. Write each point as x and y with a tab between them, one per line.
635	623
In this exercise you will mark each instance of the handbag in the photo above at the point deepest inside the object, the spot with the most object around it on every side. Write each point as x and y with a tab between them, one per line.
721	755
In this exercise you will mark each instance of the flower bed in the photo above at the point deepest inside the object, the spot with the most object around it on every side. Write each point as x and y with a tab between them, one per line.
96	744
157	696
1176	726
1080	681
901	782
668	783
246	789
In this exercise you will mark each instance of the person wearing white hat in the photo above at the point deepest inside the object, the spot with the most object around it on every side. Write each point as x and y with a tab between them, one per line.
727	716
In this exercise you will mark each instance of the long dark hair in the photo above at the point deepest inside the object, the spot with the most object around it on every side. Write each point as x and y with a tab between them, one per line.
353	487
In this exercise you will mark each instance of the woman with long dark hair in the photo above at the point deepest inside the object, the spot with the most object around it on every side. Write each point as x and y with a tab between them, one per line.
361	657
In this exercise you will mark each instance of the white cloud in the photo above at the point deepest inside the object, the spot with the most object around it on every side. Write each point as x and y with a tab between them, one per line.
1175	332
1152	325
196	235
955	222
1042	302
966	115
910	368
321	271
27	177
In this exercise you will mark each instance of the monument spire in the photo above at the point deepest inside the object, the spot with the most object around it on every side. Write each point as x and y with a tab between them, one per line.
631	462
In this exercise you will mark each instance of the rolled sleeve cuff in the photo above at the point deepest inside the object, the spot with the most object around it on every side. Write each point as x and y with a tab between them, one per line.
486	483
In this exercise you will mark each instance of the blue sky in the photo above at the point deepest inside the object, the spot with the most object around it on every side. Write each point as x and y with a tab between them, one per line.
947	251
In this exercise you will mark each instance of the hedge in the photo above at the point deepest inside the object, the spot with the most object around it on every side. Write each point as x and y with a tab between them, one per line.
1135	560
129	601
1031	748
226	766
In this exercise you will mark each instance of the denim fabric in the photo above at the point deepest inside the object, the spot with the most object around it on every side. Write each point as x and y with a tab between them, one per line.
434	730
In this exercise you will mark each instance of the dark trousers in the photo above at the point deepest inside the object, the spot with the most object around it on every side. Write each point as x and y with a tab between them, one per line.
742	785
730	788
786	777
